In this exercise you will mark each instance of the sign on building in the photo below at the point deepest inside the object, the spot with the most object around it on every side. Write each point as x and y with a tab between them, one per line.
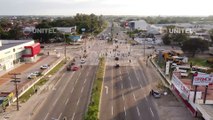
202	79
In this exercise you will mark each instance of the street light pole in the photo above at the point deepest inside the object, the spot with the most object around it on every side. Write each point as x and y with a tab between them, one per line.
15	81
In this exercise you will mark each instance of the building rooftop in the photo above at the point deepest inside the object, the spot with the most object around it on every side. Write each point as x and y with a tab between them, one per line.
11	43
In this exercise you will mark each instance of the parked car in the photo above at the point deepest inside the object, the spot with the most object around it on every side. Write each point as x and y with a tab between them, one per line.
34	75
151	47
155	93
45	66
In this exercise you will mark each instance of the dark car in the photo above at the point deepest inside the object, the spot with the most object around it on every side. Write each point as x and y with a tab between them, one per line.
151	47
117	65
116	58
69	67
155	94
72	64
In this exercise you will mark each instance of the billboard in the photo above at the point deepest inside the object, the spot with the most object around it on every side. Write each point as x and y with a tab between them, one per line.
183	89
202	79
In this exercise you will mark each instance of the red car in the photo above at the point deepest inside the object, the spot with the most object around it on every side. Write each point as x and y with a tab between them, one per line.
75	68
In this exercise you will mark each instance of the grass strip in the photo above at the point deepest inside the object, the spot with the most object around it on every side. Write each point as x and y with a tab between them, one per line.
92	112
40	83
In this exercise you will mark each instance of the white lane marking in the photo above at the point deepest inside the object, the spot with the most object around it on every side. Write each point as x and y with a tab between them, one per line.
122	86
106	87
131	84
141	86
72	90
125	110
85	81
112	110
67	101
59	116
82	89
73	116
146	99
123	96
46	116
78	101
151	112
60	79
139	114
134	96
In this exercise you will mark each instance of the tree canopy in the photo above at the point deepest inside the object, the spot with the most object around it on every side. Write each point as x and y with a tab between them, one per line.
211	34
195	45
173	38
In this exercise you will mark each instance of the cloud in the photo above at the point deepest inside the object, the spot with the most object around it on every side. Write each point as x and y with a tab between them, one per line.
114	7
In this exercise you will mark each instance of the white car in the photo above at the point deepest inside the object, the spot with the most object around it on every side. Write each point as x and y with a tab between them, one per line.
83	61
33	75
44	66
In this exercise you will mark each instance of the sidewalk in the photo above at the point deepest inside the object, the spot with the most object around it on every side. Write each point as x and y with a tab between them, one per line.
169	107
31	106
5	77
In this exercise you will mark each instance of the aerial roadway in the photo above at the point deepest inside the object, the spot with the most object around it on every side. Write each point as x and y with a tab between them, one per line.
125	94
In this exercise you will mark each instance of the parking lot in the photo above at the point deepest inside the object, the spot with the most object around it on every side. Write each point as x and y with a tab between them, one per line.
25	70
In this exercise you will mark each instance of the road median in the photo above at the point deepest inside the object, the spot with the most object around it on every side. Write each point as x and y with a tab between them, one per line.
93	108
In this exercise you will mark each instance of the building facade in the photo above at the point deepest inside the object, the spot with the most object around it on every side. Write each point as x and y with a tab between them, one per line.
15	51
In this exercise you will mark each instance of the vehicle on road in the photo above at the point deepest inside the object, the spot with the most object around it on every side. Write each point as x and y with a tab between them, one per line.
116	58
72	64
83	61
155	93
69	67
151	47
117	65
45	66
75	68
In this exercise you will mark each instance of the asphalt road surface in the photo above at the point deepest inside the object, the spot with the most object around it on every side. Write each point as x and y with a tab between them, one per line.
70	96
126	94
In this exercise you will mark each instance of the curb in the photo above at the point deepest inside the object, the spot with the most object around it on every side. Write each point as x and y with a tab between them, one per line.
161	73
37	80
170	87
99	107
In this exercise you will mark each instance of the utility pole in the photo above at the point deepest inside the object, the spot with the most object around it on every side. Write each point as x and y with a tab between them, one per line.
65	48
111	32
16	81
144	49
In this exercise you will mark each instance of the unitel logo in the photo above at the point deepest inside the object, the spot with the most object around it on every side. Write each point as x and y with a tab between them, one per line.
28	30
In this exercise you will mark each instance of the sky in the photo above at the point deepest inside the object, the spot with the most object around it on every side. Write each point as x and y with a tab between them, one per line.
107	7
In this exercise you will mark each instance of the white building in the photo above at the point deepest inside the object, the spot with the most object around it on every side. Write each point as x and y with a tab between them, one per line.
66	29
15	51
139	25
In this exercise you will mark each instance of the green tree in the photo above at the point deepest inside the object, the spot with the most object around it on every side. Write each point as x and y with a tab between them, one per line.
44	37
167	39
15	33
211	34
179	37
194	46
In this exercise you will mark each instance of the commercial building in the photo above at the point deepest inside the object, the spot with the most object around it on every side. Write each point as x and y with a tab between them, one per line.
66	29
15	51
139	25
202	102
